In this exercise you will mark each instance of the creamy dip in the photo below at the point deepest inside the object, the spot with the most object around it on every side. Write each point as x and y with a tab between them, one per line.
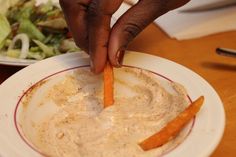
82	128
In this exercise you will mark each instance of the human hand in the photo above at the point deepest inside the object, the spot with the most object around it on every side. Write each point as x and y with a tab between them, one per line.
89	23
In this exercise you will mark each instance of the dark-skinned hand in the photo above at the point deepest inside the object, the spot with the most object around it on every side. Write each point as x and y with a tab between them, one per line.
89	23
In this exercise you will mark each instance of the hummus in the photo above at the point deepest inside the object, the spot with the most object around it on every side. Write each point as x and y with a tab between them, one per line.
82	128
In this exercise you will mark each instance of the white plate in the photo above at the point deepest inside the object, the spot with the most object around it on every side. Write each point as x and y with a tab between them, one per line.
201	142
4	60
15	61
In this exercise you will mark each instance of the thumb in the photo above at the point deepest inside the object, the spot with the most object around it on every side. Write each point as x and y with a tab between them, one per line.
133	22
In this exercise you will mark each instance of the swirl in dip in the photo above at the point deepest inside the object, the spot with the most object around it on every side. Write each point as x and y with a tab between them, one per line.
76	124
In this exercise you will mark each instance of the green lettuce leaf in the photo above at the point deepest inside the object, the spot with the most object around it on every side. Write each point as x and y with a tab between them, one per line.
27	27
5	4
36	55
5	29
47	50
14	53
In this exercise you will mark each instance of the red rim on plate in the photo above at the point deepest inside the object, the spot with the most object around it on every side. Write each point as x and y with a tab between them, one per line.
21	134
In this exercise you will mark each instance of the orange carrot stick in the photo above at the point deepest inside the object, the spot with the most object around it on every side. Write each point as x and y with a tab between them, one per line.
108	85
173	127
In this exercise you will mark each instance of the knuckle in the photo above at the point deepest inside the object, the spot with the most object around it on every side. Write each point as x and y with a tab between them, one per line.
132	30
83	4
100	8
93	8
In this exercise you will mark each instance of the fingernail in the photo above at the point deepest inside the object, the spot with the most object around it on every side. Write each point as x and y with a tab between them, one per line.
120	57
92	66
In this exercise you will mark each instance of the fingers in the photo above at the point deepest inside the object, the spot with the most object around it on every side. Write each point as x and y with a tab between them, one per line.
89	22
75	12
99	17
130	25
133	22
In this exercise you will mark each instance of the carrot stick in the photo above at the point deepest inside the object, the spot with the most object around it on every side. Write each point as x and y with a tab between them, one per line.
173	127
108	85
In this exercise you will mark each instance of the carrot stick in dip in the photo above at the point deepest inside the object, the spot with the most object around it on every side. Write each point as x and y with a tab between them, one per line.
108	85
173	127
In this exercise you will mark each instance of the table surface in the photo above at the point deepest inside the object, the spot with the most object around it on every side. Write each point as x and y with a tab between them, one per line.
198	55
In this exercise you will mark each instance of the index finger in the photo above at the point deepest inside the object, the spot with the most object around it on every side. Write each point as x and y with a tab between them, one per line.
99	18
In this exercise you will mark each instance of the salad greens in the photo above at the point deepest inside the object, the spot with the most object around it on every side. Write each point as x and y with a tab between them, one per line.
5	29
28	31
27	27
5	4
47	50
